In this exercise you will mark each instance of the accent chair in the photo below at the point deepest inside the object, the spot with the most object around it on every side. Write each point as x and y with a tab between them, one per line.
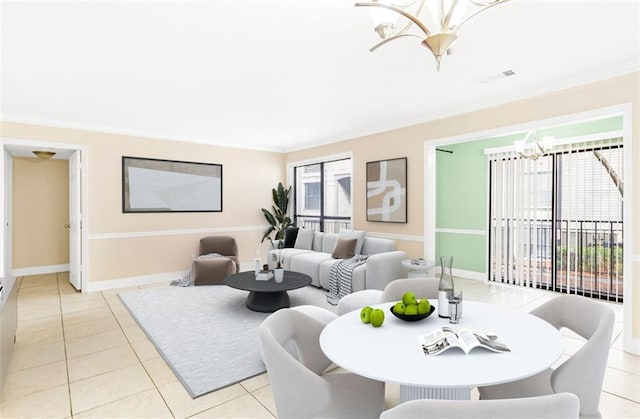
556	406
301	383
217	259
583	373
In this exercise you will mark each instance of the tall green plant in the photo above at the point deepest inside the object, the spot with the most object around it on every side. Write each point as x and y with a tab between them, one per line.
277	218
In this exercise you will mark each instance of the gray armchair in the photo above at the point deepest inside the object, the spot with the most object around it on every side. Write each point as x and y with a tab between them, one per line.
583	373
301	386
217	259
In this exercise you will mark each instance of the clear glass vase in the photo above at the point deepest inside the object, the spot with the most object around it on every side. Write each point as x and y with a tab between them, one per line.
445	287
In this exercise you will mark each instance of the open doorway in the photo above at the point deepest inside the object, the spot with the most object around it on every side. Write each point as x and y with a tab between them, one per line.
438	235
72	155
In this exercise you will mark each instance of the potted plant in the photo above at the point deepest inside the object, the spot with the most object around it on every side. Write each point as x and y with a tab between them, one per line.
278	219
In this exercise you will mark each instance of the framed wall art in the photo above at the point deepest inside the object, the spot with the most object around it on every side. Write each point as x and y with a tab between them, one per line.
152	185
387	190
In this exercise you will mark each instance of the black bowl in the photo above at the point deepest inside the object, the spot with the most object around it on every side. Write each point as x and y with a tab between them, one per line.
412	318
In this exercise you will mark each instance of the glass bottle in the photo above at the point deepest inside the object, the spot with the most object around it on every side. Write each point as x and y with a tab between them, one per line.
258	260
445	287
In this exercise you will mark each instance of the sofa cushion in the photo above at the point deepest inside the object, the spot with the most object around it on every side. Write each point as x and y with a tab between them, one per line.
309	263
285	257
374	245
344	249
304	239
353	234
329	242
290	236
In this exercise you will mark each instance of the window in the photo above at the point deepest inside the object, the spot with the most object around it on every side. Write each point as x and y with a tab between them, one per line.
322	195
312	196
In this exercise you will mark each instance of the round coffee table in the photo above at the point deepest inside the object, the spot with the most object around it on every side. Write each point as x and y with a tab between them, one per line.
267	296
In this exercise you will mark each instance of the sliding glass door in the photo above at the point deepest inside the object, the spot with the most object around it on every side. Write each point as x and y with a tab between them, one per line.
556	221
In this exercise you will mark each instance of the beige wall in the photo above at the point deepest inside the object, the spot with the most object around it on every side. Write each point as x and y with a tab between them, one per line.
248	177
40	211
409	142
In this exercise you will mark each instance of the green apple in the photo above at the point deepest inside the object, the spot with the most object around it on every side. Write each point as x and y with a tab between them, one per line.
409	298
365	314
424	306
399	307
411	310
377	317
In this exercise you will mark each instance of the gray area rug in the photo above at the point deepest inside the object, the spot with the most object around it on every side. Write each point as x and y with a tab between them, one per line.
206	334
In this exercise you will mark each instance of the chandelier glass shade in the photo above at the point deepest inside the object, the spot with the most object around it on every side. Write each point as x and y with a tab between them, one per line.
533	146
435	22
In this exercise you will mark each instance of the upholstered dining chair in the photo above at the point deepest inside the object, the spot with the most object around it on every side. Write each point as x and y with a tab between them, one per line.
301	386
556	406
583	373
217	258
422	287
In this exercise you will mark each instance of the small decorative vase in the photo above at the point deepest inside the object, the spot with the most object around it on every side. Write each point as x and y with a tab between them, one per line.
278	275
445	287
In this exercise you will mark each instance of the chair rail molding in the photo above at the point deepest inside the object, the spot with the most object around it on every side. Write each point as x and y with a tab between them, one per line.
182	232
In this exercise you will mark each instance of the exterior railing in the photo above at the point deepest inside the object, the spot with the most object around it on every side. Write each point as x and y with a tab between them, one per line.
331	224
588	256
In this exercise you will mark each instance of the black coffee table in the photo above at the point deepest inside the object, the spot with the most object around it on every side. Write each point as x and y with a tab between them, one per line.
267	296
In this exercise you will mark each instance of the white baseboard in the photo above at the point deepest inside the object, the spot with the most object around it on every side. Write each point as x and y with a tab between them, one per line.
40	270
478	276
631	345
134	281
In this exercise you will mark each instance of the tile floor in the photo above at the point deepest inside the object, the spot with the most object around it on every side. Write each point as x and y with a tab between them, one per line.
83	355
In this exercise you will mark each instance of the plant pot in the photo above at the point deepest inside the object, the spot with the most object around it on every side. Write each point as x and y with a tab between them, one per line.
278	275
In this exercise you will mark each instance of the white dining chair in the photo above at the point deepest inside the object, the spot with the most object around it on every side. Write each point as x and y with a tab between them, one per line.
322	315
583	373
557	406
421	287
300	384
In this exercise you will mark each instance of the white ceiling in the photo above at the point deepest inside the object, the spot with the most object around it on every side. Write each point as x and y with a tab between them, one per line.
287	74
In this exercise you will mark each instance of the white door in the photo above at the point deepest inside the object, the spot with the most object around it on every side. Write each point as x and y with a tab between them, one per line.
6	219
75	222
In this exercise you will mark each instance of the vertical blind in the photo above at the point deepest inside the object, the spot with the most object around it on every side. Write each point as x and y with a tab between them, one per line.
556	221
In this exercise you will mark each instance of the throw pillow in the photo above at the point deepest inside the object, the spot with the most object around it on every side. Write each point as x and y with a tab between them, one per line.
290	236
345	249
353	234
304	239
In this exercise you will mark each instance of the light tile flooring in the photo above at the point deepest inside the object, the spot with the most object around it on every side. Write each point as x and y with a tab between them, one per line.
83	355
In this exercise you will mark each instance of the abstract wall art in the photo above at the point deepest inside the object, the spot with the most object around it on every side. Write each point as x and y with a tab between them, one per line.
152	185
387	190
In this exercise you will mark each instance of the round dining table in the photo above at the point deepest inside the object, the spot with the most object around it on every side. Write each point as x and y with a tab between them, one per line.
392	353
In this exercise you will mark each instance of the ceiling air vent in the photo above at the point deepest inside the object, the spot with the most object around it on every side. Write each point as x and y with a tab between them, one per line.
497	76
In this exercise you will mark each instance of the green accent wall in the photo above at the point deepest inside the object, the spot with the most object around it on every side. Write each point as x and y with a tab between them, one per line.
462	191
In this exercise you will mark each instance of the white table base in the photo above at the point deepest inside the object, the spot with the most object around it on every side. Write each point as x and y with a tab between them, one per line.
445	393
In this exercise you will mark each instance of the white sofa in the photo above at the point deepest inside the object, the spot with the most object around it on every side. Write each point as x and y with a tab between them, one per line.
382	265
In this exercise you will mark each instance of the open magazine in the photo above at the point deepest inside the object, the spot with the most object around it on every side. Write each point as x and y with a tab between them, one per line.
444	338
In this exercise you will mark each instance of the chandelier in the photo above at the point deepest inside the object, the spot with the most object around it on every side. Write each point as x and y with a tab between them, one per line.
438	21
533	146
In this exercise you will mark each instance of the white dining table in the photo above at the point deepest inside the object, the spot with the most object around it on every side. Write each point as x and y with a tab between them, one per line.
392	353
